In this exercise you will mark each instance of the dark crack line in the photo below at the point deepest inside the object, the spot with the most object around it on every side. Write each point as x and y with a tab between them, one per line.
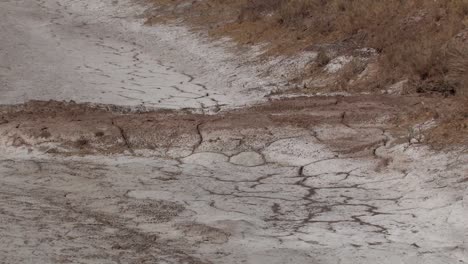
124	137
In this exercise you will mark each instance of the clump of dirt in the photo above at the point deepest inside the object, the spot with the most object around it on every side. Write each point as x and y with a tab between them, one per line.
202	233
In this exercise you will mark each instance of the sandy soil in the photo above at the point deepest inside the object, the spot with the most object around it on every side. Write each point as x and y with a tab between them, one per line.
112	179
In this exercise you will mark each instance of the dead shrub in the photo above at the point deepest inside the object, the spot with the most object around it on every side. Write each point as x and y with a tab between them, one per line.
322	58
350	72
294	12
45	134
253	10
81	142
444	87
457	66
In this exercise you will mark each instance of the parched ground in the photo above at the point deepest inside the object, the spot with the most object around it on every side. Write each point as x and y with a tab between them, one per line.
138	174
311	180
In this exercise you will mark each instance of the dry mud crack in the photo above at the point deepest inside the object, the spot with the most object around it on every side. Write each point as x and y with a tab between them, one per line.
114	178
259	185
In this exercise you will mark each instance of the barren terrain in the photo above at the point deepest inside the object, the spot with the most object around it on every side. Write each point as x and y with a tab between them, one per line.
124	143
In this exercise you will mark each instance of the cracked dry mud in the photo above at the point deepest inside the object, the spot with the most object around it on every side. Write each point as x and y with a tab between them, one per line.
97	51
260	185
307	180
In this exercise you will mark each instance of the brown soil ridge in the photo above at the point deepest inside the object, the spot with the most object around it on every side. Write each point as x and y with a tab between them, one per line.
365	122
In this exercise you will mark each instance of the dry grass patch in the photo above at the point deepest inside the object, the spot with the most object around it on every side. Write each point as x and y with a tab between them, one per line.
414	38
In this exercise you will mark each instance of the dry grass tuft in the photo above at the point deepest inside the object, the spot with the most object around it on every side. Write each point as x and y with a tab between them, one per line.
322	58
457	64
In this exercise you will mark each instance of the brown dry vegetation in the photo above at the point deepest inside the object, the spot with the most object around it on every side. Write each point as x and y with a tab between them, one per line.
422	41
